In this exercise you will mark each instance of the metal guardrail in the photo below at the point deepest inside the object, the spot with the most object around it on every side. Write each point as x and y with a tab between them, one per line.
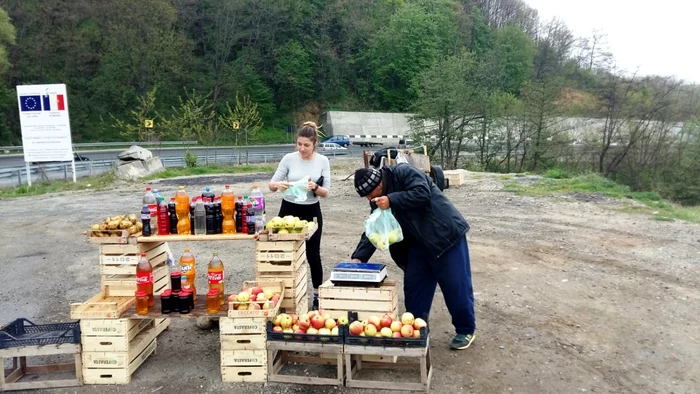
15	176
103	144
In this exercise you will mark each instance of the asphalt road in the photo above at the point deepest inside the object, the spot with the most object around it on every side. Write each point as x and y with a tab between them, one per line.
17	160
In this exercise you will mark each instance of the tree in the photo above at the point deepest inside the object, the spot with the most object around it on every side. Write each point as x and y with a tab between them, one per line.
135	128
193	118
7	37
245	114
293	75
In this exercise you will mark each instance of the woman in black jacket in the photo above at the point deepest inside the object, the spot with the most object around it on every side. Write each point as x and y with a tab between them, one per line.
434	250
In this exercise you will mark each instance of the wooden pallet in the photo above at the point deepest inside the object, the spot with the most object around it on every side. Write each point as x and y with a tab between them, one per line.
354	364
280	353
112	359
10	379
101	306
366	301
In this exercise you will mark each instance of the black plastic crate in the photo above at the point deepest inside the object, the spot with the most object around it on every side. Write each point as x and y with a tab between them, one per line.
23	332
384	341
315	338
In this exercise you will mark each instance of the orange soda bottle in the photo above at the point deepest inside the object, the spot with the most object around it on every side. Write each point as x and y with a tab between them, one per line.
215	274
144	278
228	201
182	209
189	272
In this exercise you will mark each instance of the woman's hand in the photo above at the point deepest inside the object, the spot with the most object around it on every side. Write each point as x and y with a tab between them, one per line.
282	186
311	186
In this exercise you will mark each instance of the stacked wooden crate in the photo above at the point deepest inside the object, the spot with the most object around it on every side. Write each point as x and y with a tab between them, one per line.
118	266
366	301
285	261
243	349
114	348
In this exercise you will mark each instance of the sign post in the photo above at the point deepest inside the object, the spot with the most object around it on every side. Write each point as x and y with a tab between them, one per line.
43	116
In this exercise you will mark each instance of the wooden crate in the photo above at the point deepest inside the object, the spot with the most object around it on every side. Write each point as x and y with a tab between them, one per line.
281	259
366	301
244	374
104	305
293	281
275	285
243	345
125	285
354	364
118	270
113	359
280	353
10	379
456	177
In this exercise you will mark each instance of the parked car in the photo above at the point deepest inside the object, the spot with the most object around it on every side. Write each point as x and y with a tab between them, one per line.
342	140
331	146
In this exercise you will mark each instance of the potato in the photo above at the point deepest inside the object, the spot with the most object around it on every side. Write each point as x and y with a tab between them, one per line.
124	224
95	227
133	230
104	226
132	218
113	224
139	225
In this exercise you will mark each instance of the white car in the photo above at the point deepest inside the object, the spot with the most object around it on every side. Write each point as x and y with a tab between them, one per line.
325	146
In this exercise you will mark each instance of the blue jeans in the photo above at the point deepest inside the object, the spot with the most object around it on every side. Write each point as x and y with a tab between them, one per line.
453	272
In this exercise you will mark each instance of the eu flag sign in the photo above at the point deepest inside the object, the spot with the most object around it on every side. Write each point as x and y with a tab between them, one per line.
30	103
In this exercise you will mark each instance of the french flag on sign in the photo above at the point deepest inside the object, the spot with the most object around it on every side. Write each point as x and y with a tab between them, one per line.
54	102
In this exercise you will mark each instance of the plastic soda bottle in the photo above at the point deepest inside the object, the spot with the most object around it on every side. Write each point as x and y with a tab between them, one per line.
172	213
199	217
257	195
208	193
146	220
182	208
188	271
215	274
150	200
228	207
163	218
144	278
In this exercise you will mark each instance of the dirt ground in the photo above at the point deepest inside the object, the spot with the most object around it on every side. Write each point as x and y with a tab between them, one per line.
571	295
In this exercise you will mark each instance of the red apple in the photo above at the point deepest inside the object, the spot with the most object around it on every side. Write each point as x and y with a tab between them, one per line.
370	330
253	297
418	323
232	298
386	321
396	326
299	332
295	327
416	334
356	328
256	290
407	318
295	319
275	300
312	314
397	334
375	321
318	322
303	324
386	332
330	323
407	331
255	306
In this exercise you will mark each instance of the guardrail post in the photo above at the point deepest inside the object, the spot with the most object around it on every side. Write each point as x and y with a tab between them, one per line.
19	176
90	168
65	171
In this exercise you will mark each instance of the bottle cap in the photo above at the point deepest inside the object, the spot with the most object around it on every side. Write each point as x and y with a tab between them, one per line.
187	250
148	188
181	187
227	186
215	253
143	254
166	293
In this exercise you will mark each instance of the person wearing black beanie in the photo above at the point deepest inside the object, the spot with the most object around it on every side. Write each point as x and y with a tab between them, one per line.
434	249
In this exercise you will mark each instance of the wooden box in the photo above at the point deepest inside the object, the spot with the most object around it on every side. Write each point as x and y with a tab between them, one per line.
113	358
243	349
101	306
118	268
279	259
456	177
366	301
10	379
280	353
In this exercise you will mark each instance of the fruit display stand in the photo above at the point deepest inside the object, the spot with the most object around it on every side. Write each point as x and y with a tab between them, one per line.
414	348
285	261
243	349
283	347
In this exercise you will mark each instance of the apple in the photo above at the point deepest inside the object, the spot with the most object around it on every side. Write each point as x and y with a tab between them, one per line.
268	294
276	320
318	322
375	321
330	324
243	296
379	335
396	334
232	298
295	327
386	332
312	330
275	300
295	319
418	323
299	332
416	334
407	331
334	331
370	330
288	330
304	324
268	305
396	326
260	297
407	318
326	316
386	321
312	314
255	307
285	321
324	331
277	329
253	297
242	307
356	328
342	320
256	290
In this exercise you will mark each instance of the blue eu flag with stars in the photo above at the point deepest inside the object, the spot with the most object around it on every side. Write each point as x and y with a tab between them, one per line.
30	103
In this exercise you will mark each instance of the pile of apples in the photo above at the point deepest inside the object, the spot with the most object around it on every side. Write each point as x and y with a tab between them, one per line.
254	298
311	323
387	326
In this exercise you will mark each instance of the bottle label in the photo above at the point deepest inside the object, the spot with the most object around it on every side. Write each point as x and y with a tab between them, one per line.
144	278
153	209
260	203
185	269
216	278
145	216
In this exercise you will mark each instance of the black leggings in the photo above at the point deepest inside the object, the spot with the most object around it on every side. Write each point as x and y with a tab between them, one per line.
313	245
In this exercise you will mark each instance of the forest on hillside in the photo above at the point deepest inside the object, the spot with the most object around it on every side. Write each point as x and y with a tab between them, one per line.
488	77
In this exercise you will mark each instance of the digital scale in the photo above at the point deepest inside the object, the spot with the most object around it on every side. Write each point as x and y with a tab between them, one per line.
358	274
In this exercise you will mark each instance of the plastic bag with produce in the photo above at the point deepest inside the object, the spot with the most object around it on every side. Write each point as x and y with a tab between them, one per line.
382	229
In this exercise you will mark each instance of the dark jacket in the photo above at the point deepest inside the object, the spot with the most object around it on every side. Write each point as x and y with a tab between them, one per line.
426	216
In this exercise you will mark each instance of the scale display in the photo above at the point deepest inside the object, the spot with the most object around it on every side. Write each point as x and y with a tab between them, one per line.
358	273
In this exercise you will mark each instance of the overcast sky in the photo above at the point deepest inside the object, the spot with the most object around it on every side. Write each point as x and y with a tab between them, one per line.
658	38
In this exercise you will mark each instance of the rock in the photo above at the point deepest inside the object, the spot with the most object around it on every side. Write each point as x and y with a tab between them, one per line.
138	169
135	152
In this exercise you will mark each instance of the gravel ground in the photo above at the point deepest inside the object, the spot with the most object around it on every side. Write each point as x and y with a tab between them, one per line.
571	295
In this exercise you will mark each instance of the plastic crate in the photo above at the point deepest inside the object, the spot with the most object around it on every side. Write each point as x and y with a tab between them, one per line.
315	338
23	332
384	341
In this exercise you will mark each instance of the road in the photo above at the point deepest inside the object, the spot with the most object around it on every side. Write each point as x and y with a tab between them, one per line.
17	160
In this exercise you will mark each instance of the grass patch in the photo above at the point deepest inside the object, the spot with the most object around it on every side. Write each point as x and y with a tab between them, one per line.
210	169
93	183
557	173
505	177
652	203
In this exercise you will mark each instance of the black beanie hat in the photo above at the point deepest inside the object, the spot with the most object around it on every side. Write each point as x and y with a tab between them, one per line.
366	180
